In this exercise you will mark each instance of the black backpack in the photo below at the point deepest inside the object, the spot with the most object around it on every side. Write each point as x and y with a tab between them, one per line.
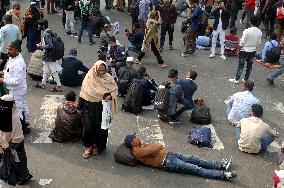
134	8
133	99
124	155
201	115
162	98
58	46
273	55
123	82
6	110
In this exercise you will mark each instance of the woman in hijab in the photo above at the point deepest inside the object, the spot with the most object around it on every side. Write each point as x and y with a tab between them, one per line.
98	85
31	31
12	143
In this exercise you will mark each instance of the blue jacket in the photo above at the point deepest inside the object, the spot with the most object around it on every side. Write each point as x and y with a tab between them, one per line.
268	47
189	88
48	46
117	53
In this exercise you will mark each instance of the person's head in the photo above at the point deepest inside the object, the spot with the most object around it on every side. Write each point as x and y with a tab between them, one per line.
253	20
136	27
112	41
101	68
273	36
248	85
71	96
193	3
14	48
107	27
43	24
173	74
221	4
256	110
131	141
142	71
7	19
102	57
16	6
233	31
73	52
192	75
129	61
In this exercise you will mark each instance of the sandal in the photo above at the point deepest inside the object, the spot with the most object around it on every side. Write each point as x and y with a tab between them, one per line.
56	89
38	85
87	152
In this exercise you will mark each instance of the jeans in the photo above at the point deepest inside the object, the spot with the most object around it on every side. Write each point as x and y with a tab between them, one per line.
188	105
132	48
279	71
164	30
243	58
265	141
177	162
233	17
89	25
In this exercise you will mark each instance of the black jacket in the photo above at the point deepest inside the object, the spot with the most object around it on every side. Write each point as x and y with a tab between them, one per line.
136	38
69	5
225	16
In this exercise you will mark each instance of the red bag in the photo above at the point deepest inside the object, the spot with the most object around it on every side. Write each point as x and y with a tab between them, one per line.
280	13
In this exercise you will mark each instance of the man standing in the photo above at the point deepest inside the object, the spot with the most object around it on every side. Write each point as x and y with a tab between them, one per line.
195	17
168	14
233	7
8	33
69	8
144	7
248	44
86	7
16	83
15	13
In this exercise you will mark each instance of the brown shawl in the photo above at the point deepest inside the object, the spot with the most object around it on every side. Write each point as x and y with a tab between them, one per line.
94	87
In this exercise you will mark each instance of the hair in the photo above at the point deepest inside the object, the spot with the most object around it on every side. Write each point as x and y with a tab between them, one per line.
43	23
249	85
15	4
8	19
257	110
17	44
137	26
102	56
142	71
273	36
172	73
112	39
71	96
233	31
253	20
192	74
210	28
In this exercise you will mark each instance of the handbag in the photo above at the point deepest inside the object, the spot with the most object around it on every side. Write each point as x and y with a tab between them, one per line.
106	115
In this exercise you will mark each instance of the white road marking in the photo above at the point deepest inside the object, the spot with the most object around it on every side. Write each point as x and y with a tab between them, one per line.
215	140
48	107
45	181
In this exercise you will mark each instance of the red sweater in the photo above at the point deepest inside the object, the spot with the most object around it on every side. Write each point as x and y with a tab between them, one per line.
249	4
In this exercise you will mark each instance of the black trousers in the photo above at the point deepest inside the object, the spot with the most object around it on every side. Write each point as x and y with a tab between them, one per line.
155	51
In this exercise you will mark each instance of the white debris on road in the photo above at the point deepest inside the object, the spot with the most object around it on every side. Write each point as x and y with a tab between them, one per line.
45	181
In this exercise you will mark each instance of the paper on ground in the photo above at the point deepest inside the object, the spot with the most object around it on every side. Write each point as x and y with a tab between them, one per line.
45	181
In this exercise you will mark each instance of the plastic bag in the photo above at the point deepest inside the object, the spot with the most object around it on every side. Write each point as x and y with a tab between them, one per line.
106	115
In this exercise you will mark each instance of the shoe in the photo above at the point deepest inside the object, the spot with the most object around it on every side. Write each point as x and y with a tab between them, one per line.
26	180
234	81
212	55
171	48
241	21
74	34
162	117
226	163
184	54
68	33
222	57
270	82
174	121
230	175
91	43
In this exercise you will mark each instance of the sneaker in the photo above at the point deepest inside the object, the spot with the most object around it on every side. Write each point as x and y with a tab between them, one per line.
222	57
184	54
234	81
68	33
74	35
270	82
226	163
212	55
171	48
174	121
230	175
241	21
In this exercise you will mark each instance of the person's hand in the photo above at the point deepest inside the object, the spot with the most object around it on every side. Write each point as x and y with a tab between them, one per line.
127	33
148	77
39	45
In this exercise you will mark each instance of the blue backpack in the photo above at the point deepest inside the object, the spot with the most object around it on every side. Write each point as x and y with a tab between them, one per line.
200	137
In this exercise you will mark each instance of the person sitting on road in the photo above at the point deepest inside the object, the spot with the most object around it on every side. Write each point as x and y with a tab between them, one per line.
125	76
189	88
149	86
117	54
36	65
157	156
176	96
68	123
253	134
267	47
239	105
136	39
70	67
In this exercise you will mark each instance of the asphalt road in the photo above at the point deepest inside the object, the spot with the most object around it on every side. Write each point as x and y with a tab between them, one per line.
63	163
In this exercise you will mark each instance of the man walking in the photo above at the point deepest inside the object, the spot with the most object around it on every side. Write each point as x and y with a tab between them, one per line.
86	7
144	8
248	44
168	14
69	8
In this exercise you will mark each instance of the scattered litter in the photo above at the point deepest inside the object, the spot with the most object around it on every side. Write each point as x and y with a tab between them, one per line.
45	181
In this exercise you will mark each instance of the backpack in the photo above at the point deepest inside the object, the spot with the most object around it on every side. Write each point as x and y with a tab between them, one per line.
162	98
6	110
273	55
201	115
57	52
123	155
134	8
123	82
200	137
133	99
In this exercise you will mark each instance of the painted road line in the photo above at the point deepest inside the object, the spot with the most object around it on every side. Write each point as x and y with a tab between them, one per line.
150	131
46	121
215	140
